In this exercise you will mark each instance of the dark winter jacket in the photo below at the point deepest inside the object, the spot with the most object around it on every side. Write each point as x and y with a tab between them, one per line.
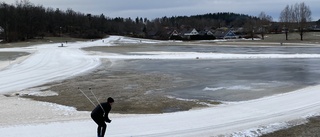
100	113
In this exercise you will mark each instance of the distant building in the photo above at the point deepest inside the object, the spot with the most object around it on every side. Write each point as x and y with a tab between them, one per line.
188	34
315	28
1	36
207	31
1	30
191	32
225	34
206	34
175	35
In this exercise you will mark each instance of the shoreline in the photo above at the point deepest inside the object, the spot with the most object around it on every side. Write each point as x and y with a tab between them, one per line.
7	63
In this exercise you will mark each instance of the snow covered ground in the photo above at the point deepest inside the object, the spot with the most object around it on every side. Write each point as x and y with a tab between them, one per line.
51	62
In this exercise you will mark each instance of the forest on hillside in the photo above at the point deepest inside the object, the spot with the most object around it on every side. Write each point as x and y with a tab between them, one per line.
24	20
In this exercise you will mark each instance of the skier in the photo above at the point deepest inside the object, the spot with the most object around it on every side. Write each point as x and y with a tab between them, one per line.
100	116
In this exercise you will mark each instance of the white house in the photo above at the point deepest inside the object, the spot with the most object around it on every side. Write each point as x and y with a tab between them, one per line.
175	35
192	32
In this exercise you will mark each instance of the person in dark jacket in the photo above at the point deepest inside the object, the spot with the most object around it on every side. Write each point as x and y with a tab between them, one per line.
100	116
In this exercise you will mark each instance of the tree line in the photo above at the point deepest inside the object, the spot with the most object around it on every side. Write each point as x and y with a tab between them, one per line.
24	20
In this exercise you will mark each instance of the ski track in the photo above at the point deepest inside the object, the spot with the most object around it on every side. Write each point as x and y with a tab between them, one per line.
49	63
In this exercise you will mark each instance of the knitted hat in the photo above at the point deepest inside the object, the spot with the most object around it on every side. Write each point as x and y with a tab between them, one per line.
110	100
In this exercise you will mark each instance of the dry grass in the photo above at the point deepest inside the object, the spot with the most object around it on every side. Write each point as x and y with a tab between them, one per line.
310	129
309	37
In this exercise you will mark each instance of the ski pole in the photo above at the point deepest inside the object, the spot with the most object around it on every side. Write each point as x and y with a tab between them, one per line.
86	97
97	101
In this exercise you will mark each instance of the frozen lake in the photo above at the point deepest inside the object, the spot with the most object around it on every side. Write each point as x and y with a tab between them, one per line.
206	77
233	79
223	79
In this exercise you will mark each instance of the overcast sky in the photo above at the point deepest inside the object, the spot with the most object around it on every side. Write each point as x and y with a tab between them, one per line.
159	8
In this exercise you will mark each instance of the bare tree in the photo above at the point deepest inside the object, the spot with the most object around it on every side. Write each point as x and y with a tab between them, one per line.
263	22
298	15
251	27
286	18
302	15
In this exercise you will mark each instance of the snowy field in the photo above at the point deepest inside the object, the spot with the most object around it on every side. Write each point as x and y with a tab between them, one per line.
47	63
